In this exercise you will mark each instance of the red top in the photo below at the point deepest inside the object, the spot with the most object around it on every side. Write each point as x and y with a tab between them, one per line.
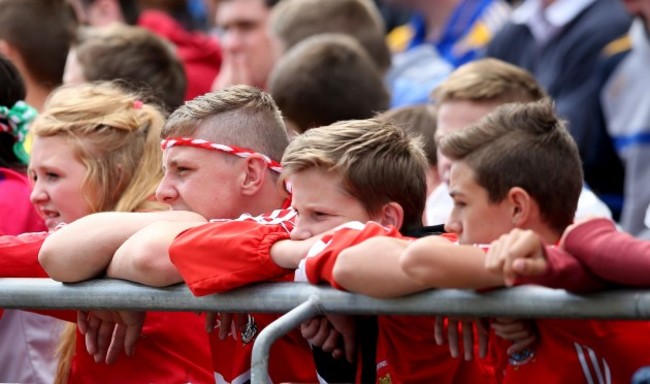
224	255
582	351
200	54
406	349
173	346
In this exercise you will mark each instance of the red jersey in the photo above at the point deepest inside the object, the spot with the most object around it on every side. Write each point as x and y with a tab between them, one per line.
406	349
599	351
580	351
19	255
173	346
227	254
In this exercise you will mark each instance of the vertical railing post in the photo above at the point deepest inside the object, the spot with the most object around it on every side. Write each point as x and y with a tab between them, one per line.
275	330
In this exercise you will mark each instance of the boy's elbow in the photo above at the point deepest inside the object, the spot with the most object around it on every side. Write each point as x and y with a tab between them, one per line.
411	264
152	266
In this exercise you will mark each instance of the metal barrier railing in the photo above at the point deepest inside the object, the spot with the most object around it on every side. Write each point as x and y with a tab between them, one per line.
302	301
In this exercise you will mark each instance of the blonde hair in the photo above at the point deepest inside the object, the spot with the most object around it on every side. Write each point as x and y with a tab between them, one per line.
117	138
378	163
489	80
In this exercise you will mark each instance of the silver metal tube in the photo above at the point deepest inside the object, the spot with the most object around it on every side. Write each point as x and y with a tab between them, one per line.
525	301
272	332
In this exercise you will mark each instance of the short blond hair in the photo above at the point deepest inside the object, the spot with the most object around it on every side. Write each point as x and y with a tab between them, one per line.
489	80
378	163
115	136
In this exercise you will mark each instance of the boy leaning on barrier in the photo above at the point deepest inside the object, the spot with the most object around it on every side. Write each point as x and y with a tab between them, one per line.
505	174
360	171
353	171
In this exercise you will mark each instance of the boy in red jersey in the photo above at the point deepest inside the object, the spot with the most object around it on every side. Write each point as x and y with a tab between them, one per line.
505	172
350	171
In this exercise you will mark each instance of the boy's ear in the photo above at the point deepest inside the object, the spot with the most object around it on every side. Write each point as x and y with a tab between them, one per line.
254	174
392	214
521	203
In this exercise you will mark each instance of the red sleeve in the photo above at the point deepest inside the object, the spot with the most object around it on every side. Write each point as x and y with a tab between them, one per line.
566	272
612	255
224	255
319	264
19	255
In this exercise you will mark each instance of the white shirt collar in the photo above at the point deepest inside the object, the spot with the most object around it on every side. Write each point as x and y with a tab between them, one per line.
545	23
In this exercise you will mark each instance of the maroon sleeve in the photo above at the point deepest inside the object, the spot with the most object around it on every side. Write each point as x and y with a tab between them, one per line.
612	255
566	272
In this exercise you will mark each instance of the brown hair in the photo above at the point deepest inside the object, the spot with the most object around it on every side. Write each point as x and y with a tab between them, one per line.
136	56
240	115
294	20
489	80
327	78
523	145
418	121
377	161
42	31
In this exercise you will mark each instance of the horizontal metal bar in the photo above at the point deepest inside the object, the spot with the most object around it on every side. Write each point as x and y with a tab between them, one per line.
525	301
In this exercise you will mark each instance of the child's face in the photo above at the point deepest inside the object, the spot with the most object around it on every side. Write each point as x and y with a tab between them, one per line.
322	203
58	177
474	219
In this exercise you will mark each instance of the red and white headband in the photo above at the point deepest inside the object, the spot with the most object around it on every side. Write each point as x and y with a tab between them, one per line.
231	149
